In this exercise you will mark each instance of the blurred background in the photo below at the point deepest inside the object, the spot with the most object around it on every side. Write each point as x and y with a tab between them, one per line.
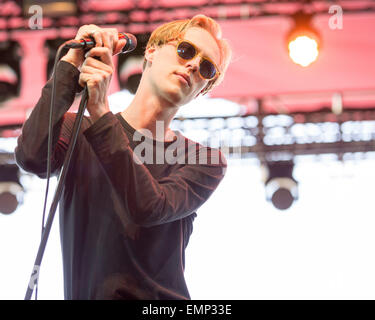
295	117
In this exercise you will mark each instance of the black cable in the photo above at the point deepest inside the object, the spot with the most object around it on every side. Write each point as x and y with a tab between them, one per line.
50	132
46	227
49	149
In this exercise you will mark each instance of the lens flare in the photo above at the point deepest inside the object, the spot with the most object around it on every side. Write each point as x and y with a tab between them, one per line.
303	50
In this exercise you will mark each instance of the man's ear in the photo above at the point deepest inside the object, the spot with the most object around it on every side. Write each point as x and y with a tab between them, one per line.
149	54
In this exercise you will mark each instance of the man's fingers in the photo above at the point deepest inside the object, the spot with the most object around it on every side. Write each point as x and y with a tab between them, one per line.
103	53
119	45
92	70
93	80
108	41
92	31
97	37
89	79
97	63
104	37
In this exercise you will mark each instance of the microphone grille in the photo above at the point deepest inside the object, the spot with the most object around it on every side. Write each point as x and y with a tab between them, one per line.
131	42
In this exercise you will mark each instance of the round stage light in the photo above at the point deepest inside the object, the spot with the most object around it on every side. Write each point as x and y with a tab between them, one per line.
303	50
303	40
280	186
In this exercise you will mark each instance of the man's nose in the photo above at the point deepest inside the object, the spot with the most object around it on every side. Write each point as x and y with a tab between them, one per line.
193	64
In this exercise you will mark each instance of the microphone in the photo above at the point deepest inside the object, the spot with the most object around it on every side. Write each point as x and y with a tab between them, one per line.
87	44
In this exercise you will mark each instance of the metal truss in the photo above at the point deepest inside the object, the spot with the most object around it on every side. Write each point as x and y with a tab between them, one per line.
278	137
7	158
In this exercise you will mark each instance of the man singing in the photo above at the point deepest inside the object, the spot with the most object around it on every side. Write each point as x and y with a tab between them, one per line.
125	222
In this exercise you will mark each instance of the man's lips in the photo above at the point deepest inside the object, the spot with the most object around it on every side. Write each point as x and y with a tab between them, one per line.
185	77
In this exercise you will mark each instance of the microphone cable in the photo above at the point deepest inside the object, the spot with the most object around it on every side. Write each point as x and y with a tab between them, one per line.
46	227
49	149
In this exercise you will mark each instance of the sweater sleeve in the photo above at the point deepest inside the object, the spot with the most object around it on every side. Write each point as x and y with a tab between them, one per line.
32	144
150	201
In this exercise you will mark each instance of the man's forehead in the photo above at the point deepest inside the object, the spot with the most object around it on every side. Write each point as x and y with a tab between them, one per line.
204	41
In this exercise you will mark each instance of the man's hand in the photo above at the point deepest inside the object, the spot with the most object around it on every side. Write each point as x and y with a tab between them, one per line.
96	66
96	73
104	37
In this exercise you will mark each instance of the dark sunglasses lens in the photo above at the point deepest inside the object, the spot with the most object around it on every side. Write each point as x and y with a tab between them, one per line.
186	51
207	69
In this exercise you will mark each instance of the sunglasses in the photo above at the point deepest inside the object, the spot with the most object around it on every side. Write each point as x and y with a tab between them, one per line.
188	51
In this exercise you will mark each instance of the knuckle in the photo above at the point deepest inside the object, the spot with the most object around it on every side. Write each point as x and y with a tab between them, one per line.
108	75
109	69
88	62
94	82
111	31
91	59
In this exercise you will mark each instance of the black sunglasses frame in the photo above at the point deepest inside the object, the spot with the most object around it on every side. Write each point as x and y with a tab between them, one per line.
217	72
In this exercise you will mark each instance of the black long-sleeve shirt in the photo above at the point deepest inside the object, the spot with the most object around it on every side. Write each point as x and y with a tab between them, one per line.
124	225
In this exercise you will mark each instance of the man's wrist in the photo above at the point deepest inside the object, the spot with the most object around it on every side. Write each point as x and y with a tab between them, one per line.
71	60
95	116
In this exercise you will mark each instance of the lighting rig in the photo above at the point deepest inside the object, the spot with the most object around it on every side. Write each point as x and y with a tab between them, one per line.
276	139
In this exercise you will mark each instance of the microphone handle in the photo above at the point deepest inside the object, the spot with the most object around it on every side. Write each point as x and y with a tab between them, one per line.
89	43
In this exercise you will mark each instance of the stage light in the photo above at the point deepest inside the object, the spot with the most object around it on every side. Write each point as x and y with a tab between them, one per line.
11	190
52	8
303	50
303	40
281	187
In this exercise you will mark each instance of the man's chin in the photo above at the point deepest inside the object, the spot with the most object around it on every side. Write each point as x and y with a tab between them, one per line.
175	97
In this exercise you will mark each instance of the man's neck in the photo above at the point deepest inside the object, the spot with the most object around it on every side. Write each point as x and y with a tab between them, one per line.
149	112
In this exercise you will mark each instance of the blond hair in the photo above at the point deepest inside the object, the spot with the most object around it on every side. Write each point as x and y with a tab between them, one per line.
174	29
